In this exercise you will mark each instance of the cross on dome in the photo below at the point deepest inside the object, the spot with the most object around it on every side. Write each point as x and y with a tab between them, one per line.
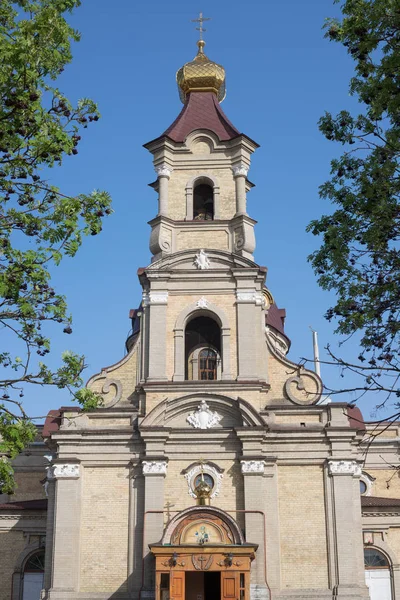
201	29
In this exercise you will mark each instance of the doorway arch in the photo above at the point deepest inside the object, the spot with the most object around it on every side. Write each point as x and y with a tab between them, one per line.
377	574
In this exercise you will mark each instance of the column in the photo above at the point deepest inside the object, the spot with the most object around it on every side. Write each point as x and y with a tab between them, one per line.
66	538
347	527
254	491
240	174
157	302
163	174
154	472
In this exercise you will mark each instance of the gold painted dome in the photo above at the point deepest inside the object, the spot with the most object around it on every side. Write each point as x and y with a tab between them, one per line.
201	75
203	492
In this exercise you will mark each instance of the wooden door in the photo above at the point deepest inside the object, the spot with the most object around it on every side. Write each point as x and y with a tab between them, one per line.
229	585
177	585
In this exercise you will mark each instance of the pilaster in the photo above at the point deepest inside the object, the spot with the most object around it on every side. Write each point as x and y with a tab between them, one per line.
66	533
154	472
157	302
348	578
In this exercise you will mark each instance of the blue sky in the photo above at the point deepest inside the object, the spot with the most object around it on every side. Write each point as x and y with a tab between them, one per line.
281	77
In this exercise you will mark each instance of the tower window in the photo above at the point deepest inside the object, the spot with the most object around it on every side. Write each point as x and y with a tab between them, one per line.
203	202
202	349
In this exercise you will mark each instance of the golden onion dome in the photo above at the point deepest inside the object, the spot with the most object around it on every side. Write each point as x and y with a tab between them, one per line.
203	492
201	75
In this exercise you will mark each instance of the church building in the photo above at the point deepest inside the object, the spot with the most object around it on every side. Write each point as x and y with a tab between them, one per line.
212	471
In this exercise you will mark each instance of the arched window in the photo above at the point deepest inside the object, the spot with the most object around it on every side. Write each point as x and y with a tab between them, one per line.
202	349
33	576
203	202
207	364
373	559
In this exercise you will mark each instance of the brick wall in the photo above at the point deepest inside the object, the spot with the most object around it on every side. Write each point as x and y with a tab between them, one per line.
302	527
104	529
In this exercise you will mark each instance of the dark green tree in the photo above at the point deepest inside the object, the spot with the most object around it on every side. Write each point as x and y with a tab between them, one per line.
39	225
359	258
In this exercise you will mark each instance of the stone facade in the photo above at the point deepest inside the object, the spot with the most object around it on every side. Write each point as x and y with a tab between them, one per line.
285	519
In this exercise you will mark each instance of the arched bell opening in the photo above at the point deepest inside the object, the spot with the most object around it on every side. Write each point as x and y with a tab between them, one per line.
202	349
202	198
203	202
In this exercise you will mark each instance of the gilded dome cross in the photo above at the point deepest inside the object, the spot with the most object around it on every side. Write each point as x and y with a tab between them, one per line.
201	20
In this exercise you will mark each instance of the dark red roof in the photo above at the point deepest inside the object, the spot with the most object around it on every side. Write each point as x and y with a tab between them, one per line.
356	420
201	111
40	504
53	419
275	318
376	502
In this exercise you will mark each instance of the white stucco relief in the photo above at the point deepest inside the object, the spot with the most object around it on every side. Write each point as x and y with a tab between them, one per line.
250	297
163	170
202	261
344	467
203	417
252	466
154	467
202	303
63	471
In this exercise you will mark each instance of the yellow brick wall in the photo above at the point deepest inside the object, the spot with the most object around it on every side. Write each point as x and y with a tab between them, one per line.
296	419
12	544
393	540
386	484
177	194
302	527
104	529
218	240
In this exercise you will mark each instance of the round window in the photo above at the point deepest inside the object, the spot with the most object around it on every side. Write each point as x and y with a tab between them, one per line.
207	478
363	487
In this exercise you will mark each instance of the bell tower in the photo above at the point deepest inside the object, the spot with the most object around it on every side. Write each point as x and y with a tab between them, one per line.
202	162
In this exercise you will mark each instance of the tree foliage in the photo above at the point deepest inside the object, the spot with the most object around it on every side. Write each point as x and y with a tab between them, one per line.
39	225
359	258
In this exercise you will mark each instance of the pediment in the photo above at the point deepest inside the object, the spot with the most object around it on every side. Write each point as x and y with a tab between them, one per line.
185	260
203	411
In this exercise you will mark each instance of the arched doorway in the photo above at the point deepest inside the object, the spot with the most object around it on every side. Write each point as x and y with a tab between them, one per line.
377	574
203	554
32	577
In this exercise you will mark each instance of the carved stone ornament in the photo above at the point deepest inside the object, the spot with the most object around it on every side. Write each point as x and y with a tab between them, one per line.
202	261
344	467
202	562
252	466
65	471
250	297
303	388
154	467
202	303
163	171
240	170
203	418
193	473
